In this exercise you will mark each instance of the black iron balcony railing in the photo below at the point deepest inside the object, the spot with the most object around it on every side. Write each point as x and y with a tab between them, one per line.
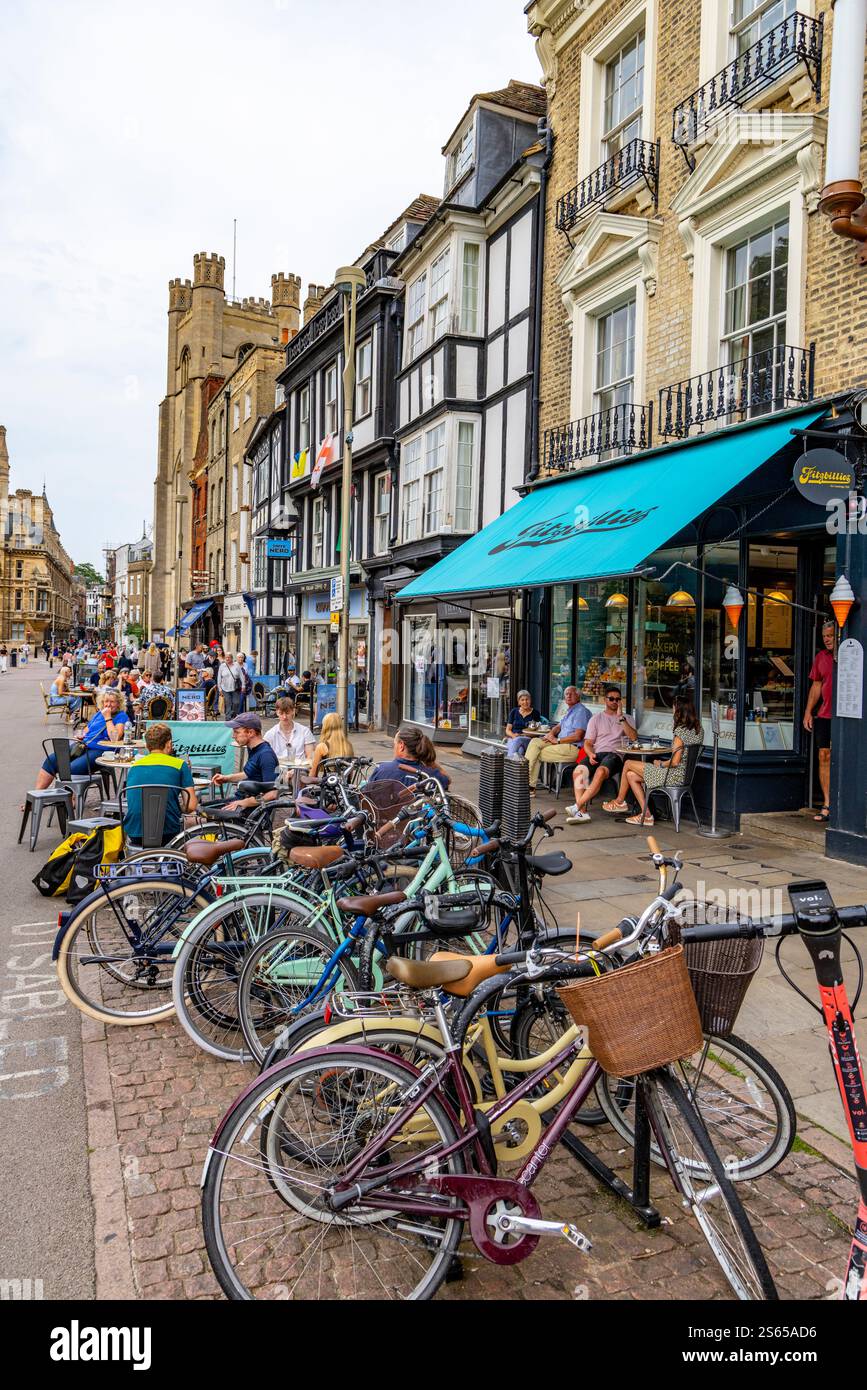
617	430
770	380
637	161
797	39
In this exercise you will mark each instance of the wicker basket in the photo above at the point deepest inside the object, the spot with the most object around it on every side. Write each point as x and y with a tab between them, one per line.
640	1016
720	973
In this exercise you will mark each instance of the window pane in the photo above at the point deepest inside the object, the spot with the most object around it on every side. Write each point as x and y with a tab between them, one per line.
735	302
464	477
760	299
719	650
781	280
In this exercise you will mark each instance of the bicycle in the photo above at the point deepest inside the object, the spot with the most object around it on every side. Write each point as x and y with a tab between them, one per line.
364	1159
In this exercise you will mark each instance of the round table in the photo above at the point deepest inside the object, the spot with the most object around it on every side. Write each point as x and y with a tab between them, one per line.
297	770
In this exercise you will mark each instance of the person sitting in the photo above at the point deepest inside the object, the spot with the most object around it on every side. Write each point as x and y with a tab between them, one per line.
524	713
135	681
106	726
149	689
208	682
602	742
61	694
287	738
414	756
333	743
159	767
261	765
562	743
638	778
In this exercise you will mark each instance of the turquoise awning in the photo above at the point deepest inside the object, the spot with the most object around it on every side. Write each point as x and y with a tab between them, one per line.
606	521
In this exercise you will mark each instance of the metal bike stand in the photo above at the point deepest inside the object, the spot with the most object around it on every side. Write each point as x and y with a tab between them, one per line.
714	833
638	1195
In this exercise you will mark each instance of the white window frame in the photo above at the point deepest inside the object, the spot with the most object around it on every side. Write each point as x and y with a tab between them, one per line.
615	132
629	18
236	415
317	533
411	489
304	418
616	384
398	241
416	317
478	313
461	156
473	423
719	46
330	398
381	513
435	467
728	337
248	405
363	383
440	285
234	488
260	563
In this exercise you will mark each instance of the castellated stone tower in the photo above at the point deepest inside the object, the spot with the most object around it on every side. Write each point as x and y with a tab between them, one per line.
208	336
313	300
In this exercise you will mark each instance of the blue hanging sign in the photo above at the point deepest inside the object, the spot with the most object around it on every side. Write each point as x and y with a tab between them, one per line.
278	550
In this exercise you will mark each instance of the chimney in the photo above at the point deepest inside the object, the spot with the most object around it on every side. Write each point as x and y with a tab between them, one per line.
313	300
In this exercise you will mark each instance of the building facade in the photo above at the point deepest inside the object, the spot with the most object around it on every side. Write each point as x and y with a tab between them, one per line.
36	586
208	336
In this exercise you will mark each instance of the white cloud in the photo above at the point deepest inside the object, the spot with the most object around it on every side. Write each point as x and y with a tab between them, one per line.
131	136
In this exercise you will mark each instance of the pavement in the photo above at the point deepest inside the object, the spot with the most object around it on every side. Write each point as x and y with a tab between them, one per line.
137	1105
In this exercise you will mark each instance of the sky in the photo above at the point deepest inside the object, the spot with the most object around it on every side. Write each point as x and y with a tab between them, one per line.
132	135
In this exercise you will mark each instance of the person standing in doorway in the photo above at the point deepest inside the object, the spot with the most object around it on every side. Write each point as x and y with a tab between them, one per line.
817	716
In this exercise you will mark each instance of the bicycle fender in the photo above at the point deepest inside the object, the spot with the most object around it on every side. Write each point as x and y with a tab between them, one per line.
251	886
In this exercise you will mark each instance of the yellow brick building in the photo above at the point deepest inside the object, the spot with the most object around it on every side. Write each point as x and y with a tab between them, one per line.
36	577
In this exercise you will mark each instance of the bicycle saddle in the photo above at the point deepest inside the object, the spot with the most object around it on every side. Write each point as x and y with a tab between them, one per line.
480	968
554	864
370	903
427	974
315	857
208	852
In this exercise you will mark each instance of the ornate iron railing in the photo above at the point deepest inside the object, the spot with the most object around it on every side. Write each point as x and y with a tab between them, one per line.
797	39
638	160
618	430
771	380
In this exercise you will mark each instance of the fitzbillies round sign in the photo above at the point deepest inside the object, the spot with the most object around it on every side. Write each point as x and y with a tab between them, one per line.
821	475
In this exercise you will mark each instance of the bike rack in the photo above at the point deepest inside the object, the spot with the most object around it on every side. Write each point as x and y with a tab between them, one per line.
638	1195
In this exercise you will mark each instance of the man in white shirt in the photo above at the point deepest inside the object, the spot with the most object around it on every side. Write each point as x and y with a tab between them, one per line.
288	739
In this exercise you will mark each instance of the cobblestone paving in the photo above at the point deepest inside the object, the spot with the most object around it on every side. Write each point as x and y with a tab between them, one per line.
168	1097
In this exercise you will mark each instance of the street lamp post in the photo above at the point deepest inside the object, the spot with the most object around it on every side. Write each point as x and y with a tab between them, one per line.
349	281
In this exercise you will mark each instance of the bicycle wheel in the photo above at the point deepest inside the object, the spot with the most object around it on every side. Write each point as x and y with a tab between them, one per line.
537	1025
115	960
280	974
743	1102
209	965
269	1231
699	1176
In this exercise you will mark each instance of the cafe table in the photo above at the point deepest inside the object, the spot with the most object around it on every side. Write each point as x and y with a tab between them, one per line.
297	769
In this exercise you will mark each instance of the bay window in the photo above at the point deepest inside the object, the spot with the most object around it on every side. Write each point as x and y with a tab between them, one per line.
363	370
410	510
317	533
464	476
331	399
434	472
439	295
415	317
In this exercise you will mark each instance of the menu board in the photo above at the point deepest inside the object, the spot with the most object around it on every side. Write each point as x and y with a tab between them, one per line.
850	679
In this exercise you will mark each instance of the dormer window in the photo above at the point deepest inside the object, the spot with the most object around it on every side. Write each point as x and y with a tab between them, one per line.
461	158
398	241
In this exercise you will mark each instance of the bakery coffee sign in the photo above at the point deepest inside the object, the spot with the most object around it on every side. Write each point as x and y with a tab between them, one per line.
823	475
567	526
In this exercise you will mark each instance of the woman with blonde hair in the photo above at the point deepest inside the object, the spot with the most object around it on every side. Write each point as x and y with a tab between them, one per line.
106	726
153	662
333	743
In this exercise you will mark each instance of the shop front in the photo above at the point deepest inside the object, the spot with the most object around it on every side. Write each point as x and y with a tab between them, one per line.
320	641
457	668
631	572
237	623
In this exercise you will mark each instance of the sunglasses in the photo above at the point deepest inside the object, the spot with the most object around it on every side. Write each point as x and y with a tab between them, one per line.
613	699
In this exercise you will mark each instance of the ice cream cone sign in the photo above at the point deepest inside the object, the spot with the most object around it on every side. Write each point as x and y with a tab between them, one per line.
842	599
733	603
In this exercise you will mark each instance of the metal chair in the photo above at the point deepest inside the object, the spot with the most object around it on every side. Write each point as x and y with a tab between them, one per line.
35	803
79	783
61	708
676	793
154	803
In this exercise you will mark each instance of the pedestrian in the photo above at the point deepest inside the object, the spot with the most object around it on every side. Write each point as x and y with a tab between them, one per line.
229	686
246	679
152	666
25	653
251	662
4	657
818	723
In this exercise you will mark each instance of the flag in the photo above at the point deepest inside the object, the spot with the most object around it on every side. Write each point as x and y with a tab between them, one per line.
299	465
327	454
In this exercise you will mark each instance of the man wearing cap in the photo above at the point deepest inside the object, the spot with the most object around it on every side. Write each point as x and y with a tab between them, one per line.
261	764
819	724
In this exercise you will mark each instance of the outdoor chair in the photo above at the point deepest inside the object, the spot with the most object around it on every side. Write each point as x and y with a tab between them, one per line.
158	707
78	785
35	802
259	695
676	793
154	803
210	703
61	709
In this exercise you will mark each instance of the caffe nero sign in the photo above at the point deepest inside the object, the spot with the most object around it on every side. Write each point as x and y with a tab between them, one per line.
822	475
566	526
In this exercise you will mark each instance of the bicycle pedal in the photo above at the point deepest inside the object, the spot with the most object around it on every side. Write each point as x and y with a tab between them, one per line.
527	1225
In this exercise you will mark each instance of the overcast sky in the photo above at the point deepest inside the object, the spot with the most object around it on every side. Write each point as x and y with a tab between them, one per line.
130	137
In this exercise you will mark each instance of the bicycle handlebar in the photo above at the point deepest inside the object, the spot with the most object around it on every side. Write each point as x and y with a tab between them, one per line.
784	925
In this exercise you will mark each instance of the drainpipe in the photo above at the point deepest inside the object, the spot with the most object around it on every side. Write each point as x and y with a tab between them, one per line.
843	194
544	129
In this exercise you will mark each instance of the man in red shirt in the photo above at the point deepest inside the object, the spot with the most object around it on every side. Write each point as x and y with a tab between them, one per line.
817	716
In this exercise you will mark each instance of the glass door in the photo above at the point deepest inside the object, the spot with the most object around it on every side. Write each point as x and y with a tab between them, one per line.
771	668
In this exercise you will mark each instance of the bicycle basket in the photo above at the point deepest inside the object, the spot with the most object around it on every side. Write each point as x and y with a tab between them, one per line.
720	972
639	1017
455	913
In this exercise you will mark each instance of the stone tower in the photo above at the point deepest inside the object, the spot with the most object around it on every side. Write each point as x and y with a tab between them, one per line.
207	337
